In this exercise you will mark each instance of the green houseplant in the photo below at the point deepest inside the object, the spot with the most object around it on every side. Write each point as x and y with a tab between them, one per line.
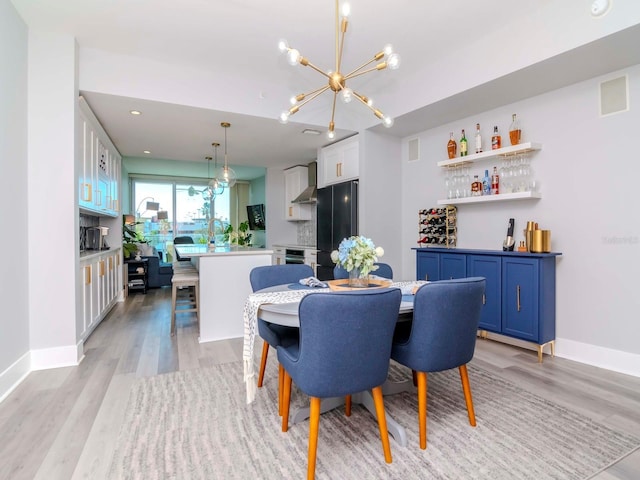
130	238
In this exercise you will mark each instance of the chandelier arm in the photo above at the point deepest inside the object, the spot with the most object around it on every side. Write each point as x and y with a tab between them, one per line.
339	55
380	66
354	73
333	107
317	93
320	71
313	92
337	36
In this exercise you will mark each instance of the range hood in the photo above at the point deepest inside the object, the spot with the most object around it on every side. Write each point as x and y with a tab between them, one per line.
309	194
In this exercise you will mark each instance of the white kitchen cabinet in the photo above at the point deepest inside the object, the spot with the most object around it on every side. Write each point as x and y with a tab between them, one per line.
339	162
99	165
278	255
296	179
311	258
101	285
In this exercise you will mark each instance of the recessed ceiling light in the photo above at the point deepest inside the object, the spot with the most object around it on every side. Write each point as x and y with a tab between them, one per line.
147	151
311	131
135	112
600	7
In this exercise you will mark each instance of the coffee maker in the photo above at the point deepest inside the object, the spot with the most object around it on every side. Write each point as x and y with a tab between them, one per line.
95	238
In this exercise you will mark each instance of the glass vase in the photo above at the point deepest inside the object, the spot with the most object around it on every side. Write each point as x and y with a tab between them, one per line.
357	280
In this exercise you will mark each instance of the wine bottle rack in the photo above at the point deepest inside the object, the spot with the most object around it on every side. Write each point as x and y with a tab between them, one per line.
437	227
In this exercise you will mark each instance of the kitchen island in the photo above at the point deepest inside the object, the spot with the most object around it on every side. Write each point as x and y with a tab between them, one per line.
224	286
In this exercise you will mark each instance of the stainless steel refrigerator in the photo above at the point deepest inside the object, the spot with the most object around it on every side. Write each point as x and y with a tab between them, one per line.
337	219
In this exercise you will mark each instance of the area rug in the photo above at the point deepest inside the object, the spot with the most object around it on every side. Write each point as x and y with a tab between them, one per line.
195	425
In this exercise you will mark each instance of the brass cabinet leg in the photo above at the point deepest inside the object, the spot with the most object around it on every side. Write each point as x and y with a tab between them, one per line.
553	348
540	347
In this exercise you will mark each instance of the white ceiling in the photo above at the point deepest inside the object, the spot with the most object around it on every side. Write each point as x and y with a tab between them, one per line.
443	45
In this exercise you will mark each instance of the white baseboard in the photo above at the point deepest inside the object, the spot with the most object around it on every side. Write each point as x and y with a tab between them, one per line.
14	375
594	355
46	358
615	360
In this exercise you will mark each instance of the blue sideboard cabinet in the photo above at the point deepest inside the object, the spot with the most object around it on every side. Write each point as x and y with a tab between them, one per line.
520	295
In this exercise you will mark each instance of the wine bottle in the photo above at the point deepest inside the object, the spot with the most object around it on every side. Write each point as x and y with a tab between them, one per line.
514	130
496	140
451	146
495	182
478	139
463	145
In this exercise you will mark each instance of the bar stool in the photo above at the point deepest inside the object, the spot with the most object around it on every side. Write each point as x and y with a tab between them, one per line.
185	280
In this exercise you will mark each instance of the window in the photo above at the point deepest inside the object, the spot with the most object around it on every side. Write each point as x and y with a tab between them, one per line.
188	210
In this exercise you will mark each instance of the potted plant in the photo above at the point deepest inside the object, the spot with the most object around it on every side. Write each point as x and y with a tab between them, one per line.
130	238
241	237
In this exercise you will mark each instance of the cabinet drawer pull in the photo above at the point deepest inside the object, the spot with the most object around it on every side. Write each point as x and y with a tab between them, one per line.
518	296
99	197
340	169
87	275
110	263
86	192
426	276
291	211
102	268
116	207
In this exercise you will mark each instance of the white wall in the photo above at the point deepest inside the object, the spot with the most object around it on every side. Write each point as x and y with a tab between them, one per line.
14	287
588	168
53	217
379	192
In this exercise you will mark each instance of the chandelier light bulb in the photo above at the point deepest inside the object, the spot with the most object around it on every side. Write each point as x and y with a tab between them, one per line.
346	9
387	121
388	49
293	100
331	134
394	61
346	95
283	46
284	118
293	56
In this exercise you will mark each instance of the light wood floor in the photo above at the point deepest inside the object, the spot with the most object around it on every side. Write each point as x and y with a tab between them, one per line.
63	423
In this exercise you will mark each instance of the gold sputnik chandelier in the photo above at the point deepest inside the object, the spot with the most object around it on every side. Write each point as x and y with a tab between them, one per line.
337	81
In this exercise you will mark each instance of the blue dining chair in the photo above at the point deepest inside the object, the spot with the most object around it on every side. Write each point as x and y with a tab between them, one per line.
384	270
272	334
441	336
344	348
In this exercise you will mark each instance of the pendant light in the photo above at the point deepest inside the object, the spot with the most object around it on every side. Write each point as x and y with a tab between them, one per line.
225	175
215	186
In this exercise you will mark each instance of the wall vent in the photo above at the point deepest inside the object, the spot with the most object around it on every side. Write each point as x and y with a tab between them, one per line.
414	149
614	96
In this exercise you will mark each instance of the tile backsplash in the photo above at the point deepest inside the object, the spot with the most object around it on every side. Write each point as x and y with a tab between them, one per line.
307	230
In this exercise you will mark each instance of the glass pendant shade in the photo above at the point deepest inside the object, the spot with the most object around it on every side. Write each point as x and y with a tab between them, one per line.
226	176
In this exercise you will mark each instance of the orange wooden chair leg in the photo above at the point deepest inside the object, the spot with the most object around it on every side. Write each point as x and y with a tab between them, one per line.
263	363
280	388
382	422
466	388
347	405
422	408
314	423
286	397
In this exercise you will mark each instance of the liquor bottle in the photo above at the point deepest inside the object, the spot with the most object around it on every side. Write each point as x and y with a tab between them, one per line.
463	145
451	146
496	140
476	187
514	130
495	182
486	184
478	139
